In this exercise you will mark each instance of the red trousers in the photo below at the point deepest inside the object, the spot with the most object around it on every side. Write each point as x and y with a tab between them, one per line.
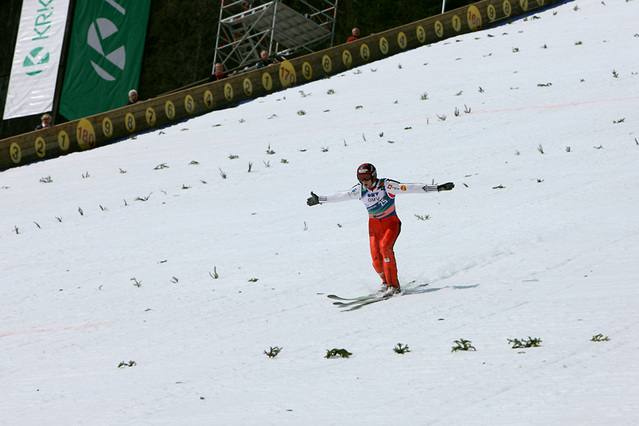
383	233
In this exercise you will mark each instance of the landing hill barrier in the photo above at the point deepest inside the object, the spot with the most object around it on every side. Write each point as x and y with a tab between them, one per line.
110	126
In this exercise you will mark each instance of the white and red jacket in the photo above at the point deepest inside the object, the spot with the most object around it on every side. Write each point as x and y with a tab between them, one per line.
380	199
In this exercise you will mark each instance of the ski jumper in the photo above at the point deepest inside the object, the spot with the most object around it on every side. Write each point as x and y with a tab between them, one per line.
383	224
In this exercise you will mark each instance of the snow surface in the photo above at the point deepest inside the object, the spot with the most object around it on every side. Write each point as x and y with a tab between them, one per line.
528	245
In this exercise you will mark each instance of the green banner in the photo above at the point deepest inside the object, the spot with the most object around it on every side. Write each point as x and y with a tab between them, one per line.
105	56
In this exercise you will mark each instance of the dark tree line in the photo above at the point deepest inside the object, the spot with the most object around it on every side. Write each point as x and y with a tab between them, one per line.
180	45
181	35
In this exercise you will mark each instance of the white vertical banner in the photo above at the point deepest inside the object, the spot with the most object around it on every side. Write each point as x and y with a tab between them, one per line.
36	58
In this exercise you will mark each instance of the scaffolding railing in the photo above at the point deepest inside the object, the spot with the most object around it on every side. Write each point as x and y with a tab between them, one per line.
247	27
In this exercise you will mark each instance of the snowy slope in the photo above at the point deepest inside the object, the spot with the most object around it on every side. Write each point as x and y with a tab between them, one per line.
109	256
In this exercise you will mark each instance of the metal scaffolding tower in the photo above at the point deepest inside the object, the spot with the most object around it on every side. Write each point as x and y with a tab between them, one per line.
247	27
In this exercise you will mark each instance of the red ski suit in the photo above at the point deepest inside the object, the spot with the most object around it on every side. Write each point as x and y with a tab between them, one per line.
383	224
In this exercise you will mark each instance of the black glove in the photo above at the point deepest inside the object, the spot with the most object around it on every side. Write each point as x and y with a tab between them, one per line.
445	186
313	200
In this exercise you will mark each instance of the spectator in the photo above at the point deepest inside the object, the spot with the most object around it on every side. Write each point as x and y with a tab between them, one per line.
219	73
133	97
355	35
45	122
266	60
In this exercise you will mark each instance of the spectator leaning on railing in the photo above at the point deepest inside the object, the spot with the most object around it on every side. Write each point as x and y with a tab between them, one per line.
45	121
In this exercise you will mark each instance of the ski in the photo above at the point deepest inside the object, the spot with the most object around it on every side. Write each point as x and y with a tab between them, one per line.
368	296
354	303
336	297
368	302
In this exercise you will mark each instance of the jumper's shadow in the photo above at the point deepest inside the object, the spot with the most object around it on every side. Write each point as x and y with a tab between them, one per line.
424	288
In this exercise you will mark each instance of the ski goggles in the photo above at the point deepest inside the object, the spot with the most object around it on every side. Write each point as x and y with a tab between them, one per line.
364	176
